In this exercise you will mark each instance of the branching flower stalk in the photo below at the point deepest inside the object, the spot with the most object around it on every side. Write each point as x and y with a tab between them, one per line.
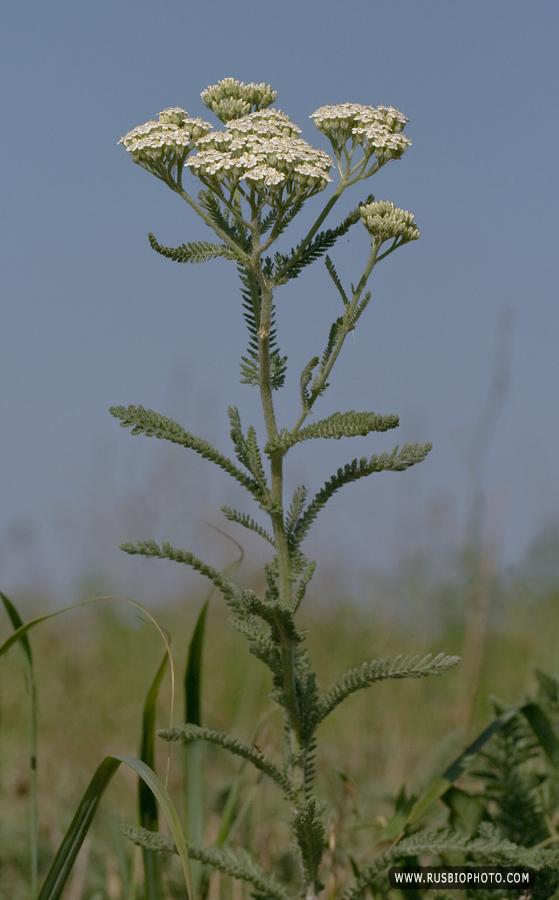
256	174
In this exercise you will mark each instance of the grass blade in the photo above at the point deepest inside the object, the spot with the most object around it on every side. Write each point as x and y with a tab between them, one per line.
74	837
438	787
33	803
147	804
543	729
193	753
193	673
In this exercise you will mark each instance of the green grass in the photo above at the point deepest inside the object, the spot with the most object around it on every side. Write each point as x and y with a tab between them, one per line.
93	668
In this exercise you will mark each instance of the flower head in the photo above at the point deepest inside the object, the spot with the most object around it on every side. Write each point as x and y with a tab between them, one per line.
231	99
263	149
384	221
158	146
376	129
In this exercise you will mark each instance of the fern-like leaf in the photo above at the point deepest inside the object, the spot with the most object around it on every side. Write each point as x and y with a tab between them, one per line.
310	835
296	508
250	366
488	848
246	449
247	522
194	252
254	455
514	785
306	376
261	646
335	278
256	633
275	615
188	734
338	425
382	670
316	388
306	576
221	217
409	455
150	549
360	308
150	423
289	266
241	866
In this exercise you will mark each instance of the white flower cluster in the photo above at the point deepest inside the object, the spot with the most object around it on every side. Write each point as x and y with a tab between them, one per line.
383	221
231	99
158	145
377	129
263	149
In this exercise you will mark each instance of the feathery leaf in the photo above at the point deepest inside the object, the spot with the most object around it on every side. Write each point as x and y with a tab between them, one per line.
409	455
152	424
338	425
335	278
193	252
190	733
151	549
247	522
381	670
310	835
240	866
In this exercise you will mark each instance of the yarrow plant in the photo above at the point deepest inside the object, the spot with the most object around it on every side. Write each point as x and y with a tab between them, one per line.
257	173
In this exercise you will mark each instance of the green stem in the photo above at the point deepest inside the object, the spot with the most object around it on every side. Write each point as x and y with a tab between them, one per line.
276	461
309	236
239	252
348	325
287	644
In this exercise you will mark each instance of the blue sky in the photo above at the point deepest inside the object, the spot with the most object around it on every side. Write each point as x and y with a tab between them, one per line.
91	317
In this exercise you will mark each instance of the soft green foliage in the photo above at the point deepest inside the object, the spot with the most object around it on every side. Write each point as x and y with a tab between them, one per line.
151	549
190	733
519	797
488	848
242	867
380	670
148	422
197	252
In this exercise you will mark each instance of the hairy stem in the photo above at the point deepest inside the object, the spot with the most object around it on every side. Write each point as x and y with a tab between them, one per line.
244	258
287	643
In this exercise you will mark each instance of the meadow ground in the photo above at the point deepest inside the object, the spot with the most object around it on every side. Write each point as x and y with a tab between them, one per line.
94	667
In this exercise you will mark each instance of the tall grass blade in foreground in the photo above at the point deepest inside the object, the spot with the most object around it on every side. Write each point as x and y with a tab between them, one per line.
194	762
73	840
147	803
74	837
31	687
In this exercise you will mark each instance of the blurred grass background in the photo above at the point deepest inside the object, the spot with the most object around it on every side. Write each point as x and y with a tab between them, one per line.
94	667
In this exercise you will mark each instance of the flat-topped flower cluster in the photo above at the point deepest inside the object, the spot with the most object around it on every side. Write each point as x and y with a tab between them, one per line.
376	129
265	150
262	147
159	145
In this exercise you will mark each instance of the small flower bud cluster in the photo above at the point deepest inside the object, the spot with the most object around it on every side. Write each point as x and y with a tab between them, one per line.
158	146
377	130
383	221
263	149
231	99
